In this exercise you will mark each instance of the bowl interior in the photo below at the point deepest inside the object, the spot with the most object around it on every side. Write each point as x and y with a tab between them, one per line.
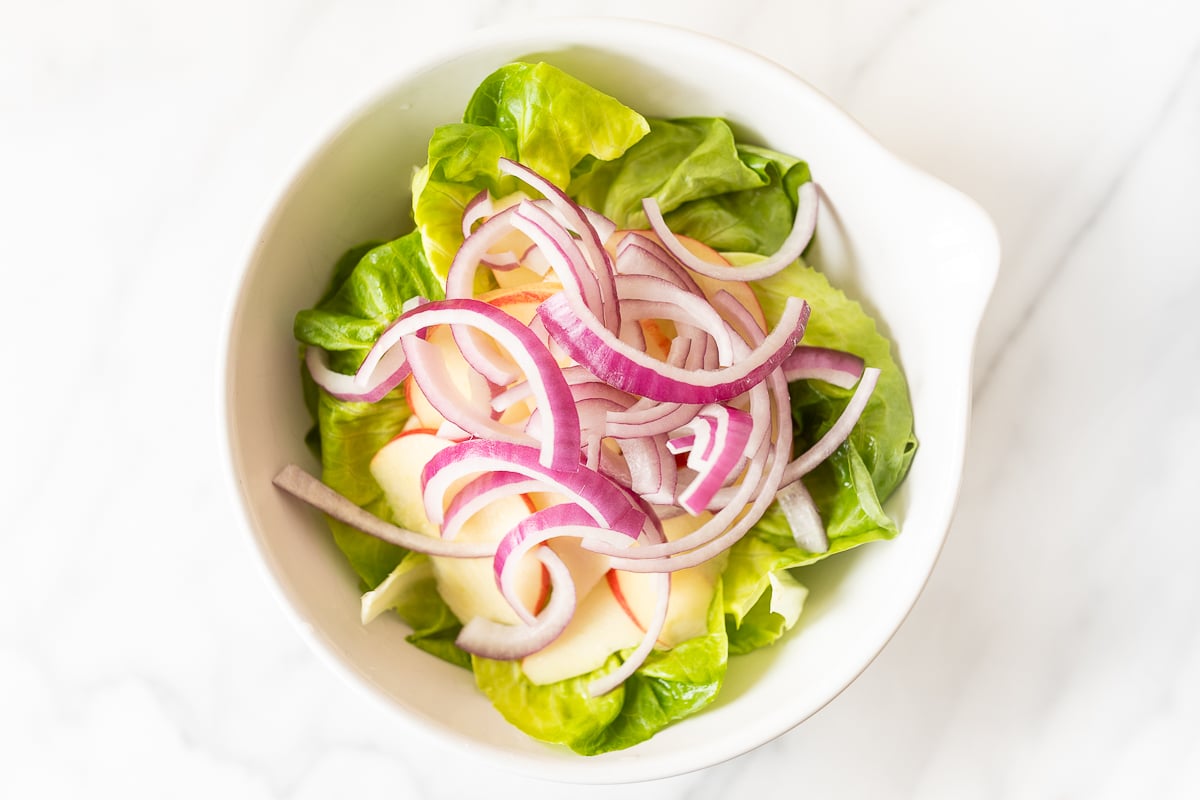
920	256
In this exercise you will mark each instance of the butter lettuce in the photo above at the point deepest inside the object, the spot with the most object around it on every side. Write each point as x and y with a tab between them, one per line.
762	598
669	686
535	113
755	220
850	487
364	299
351	434
729	195
370	284
677	161
434	626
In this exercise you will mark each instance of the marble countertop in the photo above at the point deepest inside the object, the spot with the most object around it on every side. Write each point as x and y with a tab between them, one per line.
1056	650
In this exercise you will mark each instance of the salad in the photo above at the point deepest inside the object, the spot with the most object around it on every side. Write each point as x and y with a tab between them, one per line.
582	426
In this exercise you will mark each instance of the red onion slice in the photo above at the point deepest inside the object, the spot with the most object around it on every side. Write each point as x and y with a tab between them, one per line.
760	481
838	433
481	493
837	367
430	373
638	373
590	241
568	262
647	297
652	469
562	520
481	207
495	640
793	246
721	445
640	255
597	494
387	375
298	483
560	450
802	516
603	226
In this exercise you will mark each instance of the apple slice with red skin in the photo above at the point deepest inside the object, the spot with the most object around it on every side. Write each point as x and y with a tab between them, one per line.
692	590
521	302
468	585
599	628
587	568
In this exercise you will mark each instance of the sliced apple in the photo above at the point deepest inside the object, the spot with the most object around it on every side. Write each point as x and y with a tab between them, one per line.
468	585
413	424
599	628
517	277
521	302
692	590
546	499
397	469
587	568
658	343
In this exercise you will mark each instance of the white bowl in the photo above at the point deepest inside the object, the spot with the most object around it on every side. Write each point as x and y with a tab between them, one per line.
921	256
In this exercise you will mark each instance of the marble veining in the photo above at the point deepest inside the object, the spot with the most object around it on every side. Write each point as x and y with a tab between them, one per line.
1056	648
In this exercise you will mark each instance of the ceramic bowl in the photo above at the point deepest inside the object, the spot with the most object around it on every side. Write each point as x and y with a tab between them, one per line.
920	256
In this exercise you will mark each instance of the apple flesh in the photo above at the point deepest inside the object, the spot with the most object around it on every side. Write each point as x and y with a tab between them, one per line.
397	469
587	568
468	585
614	612
599	628
692	590
516	277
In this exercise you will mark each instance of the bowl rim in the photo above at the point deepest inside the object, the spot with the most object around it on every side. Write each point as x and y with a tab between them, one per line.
579	769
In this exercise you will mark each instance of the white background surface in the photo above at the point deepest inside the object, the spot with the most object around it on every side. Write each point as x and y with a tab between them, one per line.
1056	650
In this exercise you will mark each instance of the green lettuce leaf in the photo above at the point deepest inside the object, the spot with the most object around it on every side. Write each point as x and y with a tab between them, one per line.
348	320
755	220
669	686
883	441
762	598
351	434
370	284
850	487
463	160
535	113
559	713
554	119
677	161
434	626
